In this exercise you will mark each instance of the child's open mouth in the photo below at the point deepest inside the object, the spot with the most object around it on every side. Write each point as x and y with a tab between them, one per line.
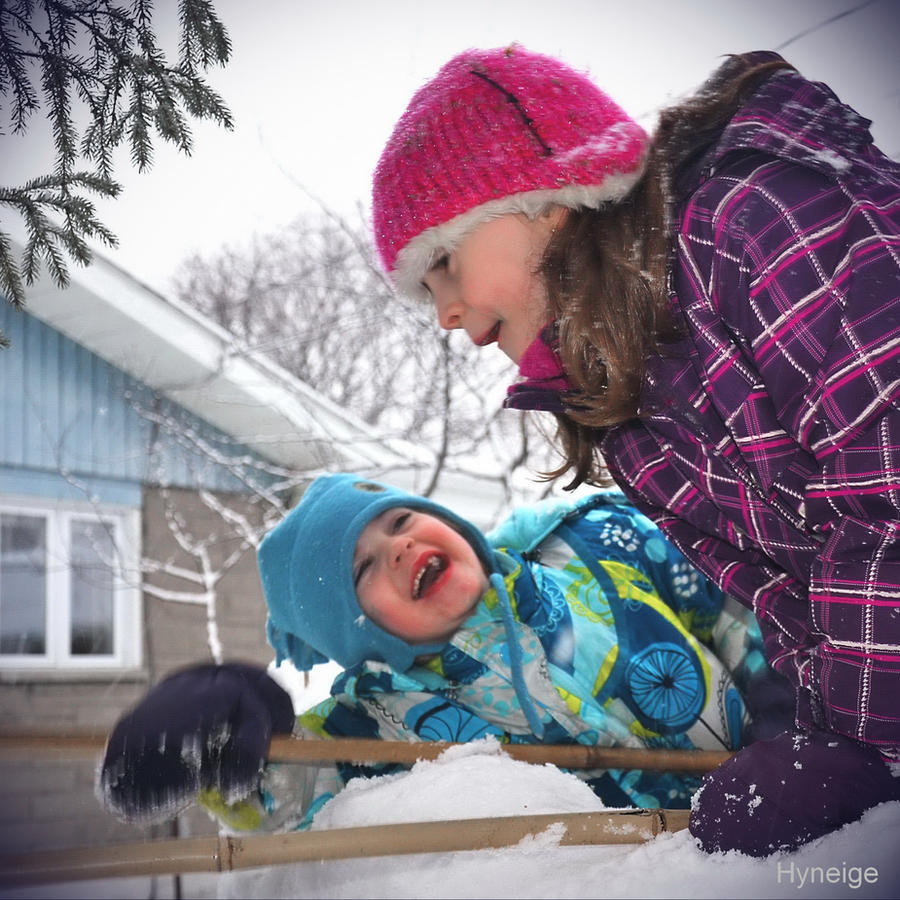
429	570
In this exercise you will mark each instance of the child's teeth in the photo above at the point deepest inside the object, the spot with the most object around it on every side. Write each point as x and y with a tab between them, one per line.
432	561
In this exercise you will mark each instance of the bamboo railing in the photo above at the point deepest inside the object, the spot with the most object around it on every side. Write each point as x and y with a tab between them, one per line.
225	854
361	750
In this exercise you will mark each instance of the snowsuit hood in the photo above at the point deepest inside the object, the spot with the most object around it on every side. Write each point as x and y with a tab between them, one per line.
306	567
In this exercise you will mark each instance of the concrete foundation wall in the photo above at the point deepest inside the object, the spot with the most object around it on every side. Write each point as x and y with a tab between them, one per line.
49	802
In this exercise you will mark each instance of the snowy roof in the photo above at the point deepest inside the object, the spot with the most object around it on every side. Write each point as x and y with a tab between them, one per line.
185	356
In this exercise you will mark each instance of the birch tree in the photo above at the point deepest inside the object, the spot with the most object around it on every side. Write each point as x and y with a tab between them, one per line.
312	298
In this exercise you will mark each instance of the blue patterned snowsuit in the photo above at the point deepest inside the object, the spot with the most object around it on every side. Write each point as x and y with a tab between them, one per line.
616	632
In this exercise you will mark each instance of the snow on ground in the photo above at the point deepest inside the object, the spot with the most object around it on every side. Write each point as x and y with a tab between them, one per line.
862	860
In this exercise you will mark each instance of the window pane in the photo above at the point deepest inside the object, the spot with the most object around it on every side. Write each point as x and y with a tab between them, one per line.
23	584
93	558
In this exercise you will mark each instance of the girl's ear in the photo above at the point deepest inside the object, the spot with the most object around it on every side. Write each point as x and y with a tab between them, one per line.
554	216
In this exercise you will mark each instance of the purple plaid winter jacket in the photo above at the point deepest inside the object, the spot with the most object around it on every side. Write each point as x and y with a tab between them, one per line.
769	449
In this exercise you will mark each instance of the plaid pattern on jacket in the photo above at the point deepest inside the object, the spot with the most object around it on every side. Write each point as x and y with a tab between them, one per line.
768	447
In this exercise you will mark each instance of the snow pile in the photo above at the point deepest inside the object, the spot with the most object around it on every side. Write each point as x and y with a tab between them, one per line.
490	780
861	860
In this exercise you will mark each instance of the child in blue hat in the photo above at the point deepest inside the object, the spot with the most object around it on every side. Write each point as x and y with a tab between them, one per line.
572	622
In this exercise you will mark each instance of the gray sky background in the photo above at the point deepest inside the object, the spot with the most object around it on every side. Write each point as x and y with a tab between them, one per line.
315	87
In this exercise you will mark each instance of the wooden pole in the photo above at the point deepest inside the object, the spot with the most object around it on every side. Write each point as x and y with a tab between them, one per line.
361	750
566	756
226	854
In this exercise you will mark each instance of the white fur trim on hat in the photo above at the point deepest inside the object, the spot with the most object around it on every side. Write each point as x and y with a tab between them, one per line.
420	254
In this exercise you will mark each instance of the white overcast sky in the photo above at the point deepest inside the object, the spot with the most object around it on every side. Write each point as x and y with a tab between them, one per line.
315	87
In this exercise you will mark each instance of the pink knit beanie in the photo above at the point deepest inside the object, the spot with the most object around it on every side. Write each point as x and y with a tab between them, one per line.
494	132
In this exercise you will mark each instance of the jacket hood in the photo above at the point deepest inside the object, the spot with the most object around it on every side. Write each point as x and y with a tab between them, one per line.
792	118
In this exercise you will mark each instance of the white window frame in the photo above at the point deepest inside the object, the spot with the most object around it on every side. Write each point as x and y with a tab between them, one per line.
127	596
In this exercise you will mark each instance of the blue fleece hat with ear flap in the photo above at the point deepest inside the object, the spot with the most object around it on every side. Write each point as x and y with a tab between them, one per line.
306	564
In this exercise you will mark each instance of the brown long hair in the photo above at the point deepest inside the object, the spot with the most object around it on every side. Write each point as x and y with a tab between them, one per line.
606	272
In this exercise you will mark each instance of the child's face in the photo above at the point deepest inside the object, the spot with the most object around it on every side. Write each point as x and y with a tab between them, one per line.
489	284
415	576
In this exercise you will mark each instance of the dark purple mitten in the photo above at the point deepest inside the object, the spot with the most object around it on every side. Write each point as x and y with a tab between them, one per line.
207	726
771	702
781	793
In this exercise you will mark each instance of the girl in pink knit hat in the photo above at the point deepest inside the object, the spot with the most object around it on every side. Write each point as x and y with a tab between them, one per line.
711	317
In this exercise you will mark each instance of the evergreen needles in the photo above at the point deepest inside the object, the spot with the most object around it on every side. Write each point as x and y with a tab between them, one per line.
104	59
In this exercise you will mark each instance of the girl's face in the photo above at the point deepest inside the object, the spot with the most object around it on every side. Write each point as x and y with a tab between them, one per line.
489	284
415	576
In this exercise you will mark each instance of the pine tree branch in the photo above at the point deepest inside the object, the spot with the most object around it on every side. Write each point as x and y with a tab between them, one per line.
107	58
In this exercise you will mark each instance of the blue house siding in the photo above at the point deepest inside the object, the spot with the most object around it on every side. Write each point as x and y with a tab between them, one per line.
19	481
65	410
75	428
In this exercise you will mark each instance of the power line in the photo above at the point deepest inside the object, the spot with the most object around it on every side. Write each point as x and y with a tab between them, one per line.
807	31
